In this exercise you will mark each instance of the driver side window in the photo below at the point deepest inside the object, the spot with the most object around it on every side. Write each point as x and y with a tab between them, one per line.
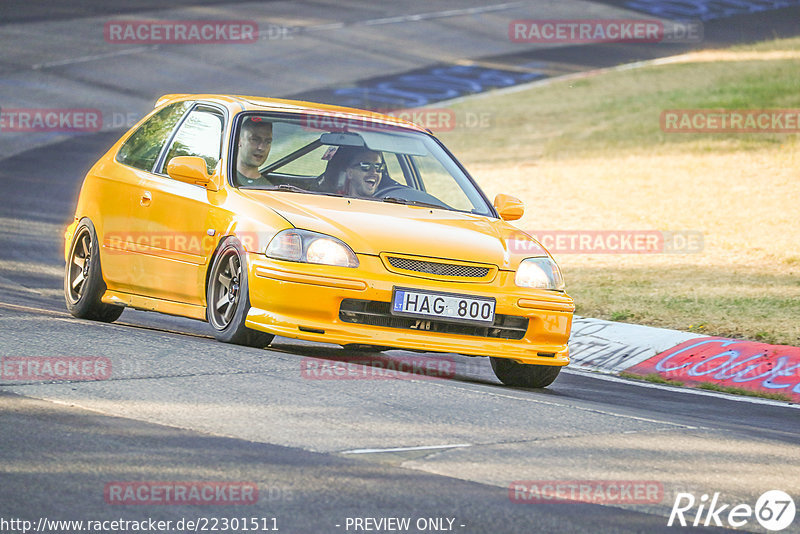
393	169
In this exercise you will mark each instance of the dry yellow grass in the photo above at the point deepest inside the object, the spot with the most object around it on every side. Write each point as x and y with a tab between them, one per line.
589	155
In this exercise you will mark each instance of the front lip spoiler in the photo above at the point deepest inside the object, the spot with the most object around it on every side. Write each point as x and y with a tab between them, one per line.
401	339
316	280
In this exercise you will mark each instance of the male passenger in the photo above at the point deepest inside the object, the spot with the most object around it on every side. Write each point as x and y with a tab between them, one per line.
255	141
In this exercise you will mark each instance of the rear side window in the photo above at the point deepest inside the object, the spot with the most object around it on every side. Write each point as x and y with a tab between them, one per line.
142	148
199	135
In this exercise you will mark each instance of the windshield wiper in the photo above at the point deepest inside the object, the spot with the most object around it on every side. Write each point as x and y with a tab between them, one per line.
288	187
295	189
398	200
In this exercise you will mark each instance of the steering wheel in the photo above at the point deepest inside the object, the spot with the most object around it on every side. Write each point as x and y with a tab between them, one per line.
380	193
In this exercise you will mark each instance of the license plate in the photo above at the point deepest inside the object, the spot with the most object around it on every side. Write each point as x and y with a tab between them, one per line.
445	306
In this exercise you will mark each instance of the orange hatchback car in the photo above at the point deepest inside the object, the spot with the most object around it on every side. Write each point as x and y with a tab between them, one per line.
270	217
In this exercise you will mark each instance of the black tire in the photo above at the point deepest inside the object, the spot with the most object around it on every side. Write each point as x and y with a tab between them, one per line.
359	347
523	375
83	278
228	298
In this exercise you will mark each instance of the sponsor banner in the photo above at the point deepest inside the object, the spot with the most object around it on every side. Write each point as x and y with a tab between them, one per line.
730	120
180	31
377	367
605	492
55	368
180	493
613	347
729	362
28	120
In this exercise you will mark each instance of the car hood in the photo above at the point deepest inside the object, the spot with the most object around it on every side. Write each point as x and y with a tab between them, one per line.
372	227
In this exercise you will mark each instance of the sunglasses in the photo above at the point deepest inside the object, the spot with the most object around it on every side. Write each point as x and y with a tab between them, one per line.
367	165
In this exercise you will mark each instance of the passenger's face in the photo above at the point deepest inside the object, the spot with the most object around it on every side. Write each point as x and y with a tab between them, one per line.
364	183
254	145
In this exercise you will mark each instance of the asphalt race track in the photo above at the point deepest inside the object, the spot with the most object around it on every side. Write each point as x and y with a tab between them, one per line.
179	406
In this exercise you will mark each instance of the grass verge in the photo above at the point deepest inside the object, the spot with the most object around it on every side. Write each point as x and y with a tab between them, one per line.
589	154
656	378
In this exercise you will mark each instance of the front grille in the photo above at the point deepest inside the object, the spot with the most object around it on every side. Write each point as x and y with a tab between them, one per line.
436	268
376	313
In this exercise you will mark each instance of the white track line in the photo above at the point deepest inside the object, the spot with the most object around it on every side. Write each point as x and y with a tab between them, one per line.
403	449
680	389
84	59
442	14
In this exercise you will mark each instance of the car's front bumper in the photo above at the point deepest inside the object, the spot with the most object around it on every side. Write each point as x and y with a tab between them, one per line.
303	301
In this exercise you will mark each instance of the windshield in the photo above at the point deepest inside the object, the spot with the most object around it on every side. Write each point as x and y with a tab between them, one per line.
316	154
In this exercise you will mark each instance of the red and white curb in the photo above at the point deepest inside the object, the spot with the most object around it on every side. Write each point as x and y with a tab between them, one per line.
612	347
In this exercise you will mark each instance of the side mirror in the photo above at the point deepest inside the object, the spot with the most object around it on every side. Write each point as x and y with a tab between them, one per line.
509	208
192	170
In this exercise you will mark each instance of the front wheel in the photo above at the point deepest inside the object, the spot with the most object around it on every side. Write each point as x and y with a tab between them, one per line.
228	299
83	278
524	375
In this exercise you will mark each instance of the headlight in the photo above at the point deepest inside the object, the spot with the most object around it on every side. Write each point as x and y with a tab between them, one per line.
541	273
310	247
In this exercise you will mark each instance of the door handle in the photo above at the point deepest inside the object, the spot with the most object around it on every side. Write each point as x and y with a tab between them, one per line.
147	197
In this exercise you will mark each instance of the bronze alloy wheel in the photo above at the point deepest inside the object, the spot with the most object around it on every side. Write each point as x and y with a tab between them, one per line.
83	278
224	296
227	298
79	265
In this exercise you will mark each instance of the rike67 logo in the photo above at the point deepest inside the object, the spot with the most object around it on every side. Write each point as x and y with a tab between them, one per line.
774	510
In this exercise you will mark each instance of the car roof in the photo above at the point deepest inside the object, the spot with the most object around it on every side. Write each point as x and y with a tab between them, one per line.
238	103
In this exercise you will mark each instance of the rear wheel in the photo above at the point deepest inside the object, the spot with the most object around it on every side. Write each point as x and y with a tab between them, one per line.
228	299
83	278
524	375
